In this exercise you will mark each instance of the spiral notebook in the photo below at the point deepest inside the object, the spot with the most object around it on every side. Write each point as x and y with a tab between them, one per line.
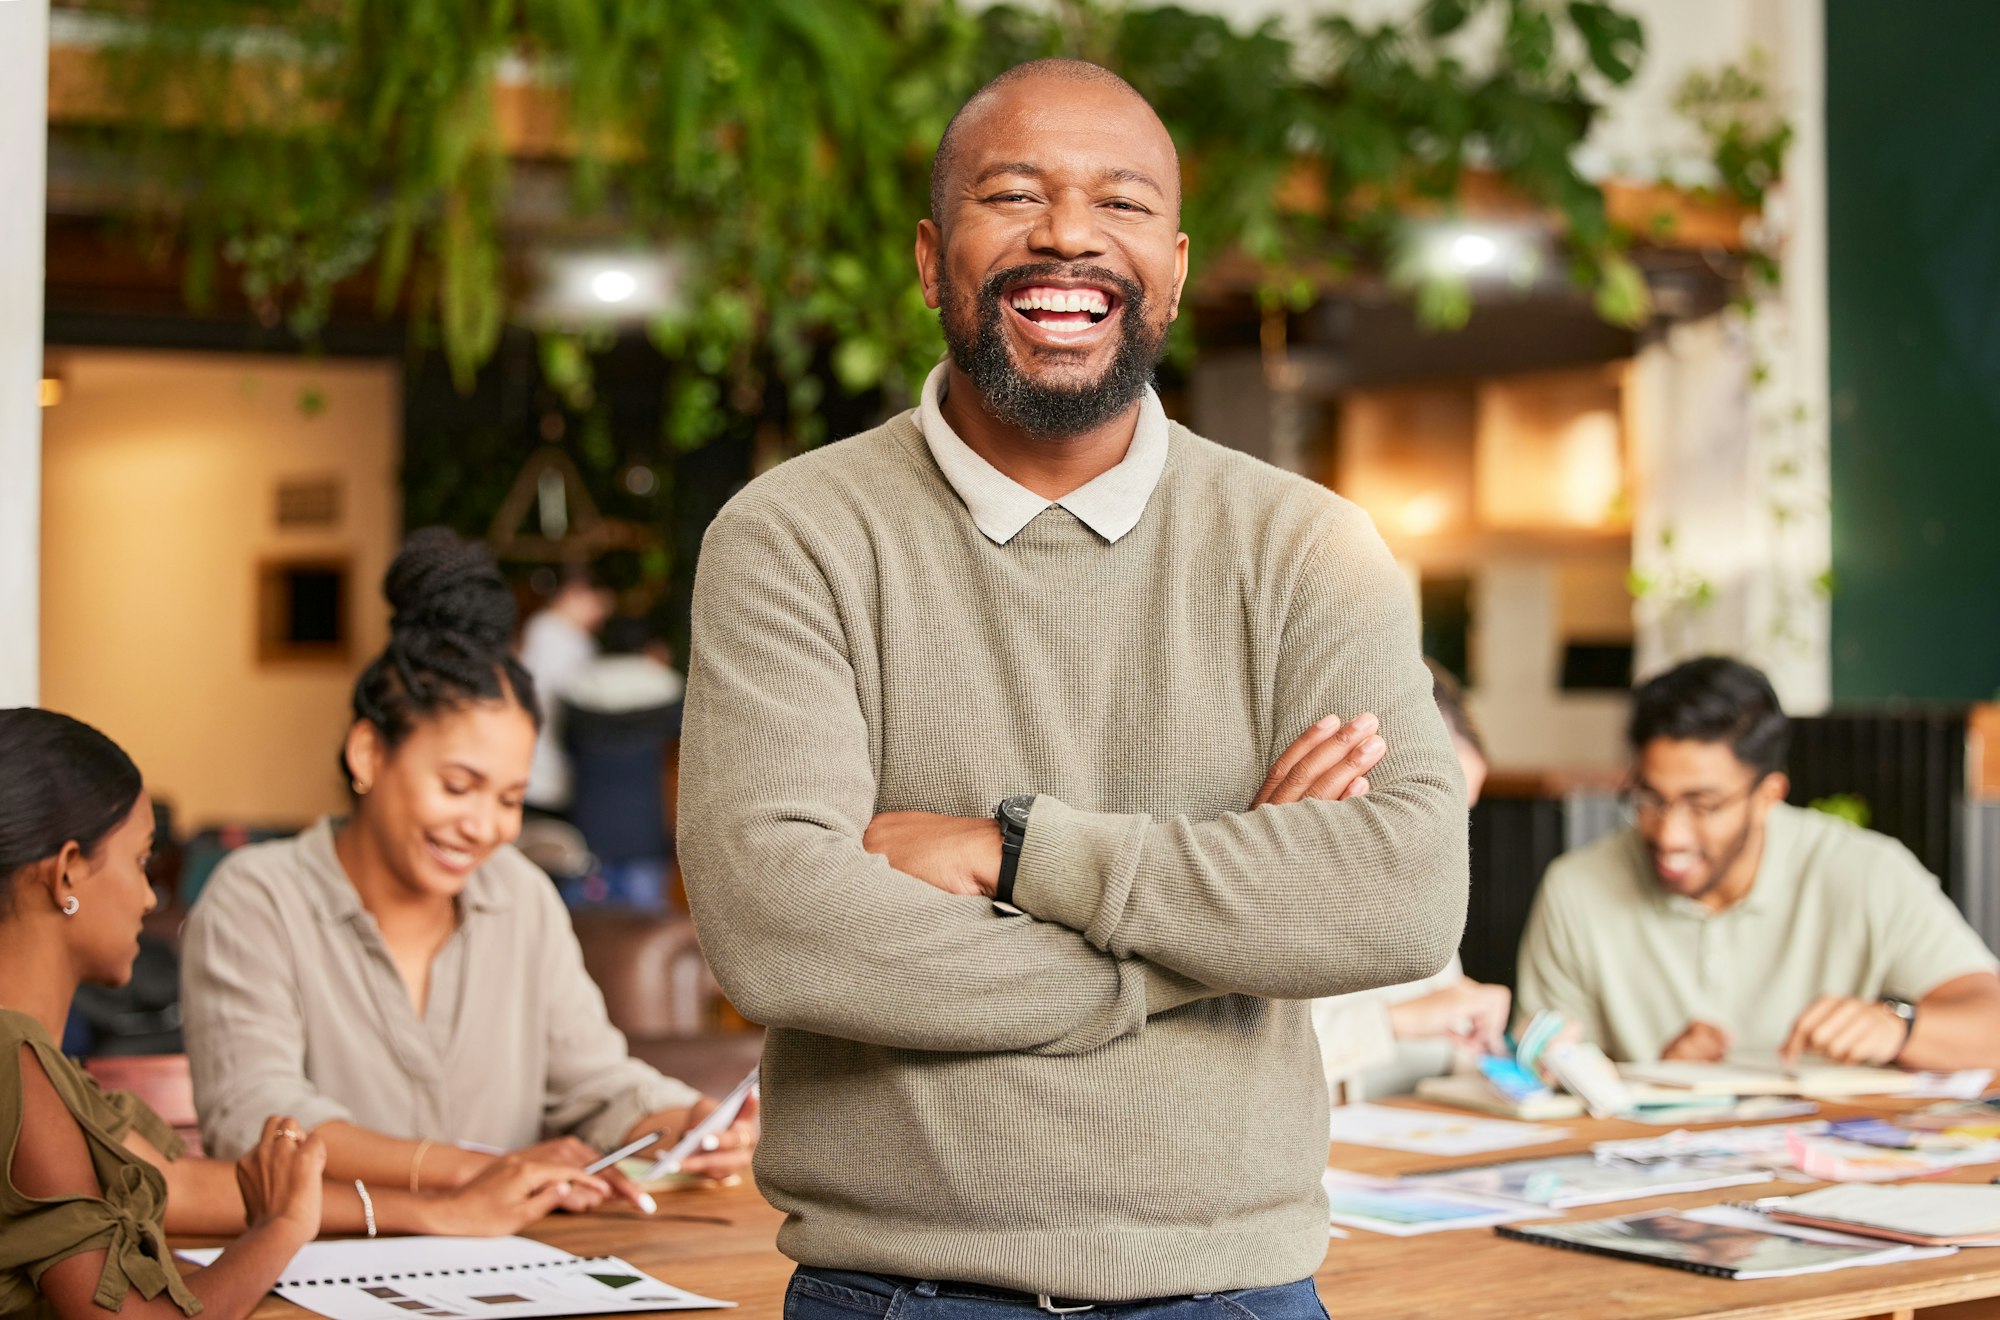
1720	1240
442	1278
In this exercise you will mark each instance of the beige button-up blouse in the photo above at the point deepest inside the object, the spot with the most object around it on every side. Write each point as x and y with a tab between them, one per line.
293	1006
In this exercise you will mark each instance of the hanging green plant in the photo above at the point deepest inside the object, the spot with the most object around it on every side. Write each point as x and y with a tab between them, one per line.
783	146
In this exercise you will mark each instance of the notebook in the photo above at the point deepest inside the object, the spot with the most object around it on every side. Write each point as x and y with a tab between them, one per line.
443	1278
1721	1240
1385	1205
1928	1214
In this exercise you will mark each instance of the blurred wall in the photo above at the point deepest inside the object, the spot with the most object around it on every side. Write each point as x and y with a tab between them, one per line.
1913	110
159	503
24	83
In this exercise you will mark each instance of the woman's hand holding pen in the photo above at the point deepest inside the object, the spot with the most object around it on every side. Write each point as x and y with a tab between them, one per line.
513	1192
723	1155
584	1193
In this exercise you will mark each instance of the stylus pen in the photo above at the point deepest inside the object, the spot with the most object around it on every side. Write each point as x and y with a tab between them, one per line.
629	1148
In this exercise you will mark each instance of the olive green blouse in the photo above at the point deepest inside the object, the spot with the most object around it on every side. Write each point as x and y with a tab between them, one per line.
127	1221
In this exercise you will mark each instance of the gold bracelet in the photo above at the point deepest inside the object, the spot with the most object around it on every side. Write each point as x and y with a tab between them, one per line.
417	1164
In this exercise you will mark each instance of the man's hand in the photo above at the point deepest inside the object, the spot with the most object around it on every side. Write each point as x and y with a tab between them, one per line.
1330	761
1466	1012
958	854
1857	1031
1699	1042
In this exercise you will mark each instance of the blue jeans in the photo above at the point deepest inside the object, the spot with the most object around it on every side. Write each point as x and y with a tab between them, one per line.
817	1294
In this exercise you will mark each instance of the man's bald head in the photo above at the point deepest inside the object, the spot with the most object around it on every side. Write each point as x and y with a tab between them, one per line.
950	149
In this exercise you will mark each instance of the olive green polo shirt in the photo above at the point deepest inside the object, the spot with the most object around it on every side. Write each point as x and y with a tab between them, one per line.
1835	910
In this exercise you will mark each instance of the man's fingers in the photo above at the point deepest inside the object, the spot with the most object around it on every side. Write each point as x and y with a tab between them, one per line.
1292	755
1806	1030
1331	770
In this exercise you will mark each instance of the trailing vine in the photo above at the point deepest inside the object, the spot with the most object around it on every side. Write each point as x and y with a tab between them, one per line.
1738	117
782	148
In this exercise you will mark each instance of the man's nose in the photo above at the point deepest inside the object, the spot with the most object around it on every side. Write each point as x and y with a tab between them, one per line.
1067	229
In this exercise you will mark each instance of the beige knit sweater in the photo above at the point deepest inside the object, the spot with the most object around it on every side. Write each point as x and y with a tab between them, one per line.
1121	1097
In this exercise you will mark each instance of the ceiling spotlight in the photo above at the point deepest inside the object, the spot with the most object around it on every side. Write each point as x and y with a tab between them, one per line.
613	286
1470	252
582	289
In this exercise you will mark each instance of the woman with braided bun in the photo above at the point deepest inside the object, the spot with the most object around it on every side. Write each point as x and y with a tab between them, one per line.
403	981
90	1182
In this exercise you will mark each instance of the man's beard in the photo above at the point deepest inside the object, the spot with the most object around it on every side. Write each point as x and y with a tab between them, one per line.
1050	411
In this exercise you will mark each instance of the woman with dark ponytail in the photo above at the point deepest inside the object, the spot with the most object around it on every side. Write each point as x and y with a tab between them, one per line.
91	1183
403	980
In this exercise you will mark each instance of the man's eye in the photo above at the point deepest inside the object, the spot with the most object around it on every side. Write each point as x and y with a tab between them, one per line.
1010	197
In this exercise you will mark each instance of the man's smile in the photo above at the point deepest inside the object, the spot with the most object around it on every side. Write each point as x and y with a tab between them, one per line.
1064	314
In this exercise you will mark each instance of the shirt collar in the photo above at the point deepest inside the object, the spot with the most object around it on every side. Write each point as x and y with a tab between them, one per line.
335	896
1109	504
1777	873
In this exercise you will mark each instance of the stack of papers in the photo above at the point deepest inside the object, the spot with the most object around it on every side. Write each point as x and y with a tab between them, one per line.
1827	1158
1425	1132
1932	1214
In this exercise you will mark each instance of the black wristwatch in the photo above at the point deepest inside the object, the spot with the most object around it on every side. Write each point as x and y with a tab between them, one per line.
1012	813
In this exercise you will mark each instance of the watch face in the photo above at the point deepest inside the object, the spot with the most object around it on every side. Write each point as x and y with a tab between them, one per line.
1016	809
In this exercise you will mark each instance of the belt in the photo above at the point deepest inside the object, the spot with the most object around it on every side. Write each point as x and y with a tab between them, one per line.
993	1292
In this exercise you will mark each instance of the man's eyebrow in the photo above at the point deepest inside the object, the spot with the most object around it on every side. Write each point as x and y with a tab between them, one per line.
1116	174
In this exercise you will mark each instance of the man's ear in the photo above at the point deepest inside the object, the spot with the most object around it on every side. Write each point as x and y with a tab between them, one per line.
1775	788
1180	275
930	258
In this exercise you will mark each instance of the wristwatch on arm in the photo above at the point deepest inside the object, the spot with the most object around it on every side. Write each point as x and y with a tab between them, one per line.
1902	1008
1012	813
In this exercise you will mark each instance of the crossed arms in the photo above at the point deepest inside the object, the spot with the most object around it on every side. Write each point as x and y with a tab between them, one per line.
1322	886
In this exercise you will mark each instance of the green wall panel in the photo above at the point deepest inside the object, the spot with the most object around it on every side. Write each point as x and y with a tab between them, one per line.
1913	137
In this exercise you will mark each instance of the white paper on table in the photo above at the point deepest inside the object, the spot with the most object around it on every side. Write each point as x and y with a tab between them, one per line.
398	1255
1967	1084
431	1278
1428	1132
1402	1209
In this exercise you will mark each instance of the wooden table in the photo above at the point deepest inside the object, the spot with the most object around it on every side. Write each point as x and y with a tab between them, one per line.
719	1243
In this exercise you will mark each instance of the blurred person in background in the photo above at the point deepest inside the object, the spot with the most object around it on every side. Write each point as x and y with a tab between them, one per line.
557	646
403	981
91	1182
1382	1042
1723	921
620	719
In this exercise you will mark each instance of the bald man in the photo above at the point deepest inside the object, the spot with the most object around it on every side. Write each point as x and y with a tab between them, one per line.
1042	759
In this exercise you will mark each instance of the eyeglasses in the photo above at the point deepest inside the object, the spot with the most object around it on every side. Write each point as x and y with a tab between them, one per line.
1645	807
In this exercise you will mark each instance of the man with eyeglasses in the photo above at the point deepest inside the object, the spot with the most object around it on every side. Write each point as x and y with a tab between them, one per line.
1724	922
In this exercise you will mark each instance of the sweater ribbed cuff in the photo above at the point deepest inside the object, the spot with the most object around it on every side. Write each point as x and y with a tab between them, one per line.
1077	866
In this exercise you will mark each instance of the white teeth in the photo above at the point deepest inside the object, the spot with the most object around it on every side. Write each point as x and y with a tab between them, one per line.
1061	300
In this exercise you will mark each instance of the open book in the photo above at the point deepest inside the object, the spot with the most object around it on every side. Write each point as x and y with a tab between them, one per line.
1808	1076
443	1278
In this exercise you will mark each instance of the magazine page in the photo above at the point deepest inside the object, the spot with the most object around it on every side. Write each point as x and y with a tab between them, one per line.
1561	1181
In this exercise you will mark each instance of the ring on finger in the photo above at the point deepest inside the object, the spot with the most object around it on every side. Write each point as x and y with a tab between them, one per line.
292	1134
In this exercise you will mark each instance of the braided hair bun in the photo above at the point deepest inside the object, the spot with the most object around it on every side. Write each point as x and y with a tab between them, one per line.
450	638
